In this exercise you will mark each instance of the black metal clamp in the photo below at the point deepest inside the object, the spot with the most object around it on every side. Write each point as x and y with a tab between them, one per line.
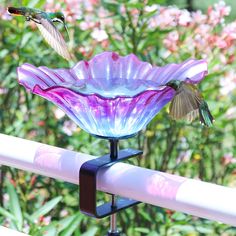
88	183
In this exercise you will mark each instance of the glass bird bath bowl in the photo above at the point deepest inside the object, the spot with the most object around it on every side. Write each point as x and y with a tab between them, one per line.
112	97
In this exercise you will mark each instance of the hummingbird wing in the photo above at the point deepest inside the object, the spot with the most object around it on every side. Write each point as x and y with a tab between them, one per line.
53	37
185	104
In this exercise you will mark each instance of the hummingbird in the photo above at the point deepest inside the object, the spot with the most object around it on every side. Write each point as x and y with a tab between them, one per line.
188	103
44	21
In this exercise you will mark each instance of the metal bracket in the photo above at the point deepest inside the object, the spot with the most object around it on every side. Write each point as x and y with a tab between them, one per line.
88	183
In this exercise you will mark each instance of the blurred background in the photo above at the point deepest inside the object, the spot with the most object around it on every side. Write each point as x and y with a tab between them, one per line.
159	32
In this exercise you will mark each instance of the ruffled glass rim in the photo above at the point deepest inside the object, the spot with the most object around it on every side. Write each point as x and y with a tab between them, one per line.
163	89
146	77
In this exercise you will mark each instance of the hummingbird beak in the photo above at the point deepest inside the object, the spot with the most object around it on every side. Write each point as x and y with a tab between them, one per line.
65	26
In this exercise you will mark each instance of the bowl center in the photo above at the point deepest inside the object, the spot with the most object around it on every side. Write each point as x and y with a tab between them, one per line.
111	88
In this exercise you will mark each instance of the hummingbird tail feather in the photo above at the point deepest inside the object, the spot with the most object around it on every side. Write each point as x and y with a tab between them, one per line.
205	115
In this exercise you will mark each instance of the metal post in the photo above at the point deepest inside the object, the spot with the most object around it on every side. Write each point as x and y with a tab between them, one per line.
113	220
114	148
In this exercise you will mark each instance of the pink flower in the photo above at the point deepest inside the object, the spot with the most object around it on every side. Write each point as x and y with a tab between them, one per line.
184	18
59	113
228	159
4	14
3	90
231	113
222	8
45	220
228	82
69	127
171	41
199	37
220	42
86	25
99	35
71	8
198	17
169	17
184	156
217	13
64	213
165	18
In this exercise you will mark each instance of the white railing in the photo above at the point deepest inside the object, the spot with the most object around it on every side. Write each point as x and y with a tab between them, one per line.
9	232
190	196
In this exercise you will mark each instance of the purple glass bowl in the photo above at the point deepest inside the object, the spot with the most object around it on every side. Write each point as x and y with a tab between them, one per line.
110	95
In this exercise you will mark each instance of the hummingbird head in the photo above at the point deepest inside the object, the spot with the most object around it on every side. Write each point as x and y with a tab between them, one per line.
174	84
57	17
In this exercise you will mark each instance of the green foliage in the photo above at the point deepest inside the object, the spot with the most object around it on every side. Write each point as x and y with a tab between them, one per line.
45	209
14	207
176	147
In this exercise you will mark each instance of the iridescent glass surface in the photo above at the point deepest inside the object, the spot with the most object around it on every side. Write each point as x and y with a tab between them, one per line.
110	95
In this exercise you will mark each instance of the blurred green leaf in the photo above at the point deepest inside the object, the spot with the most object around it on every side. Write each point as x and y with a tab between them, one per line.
64	223
91	232
111	6
45	208
178	216
134	5
7	214
14	206
3	53
204	230
49	230
153	233
73	225
26	38
146	216
183	228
